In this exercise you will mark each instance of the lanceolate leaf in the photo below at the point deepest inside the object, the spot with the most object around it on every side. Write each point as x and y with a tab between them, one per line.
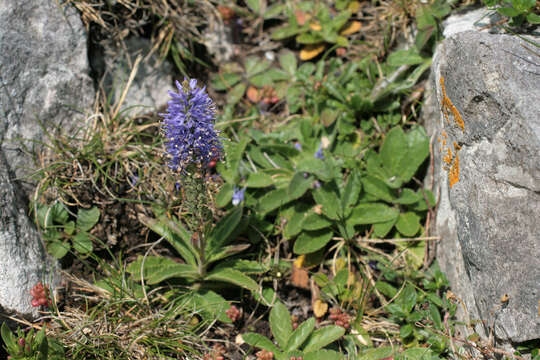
323	336
281	324
234	277
300	335
219	236
260	342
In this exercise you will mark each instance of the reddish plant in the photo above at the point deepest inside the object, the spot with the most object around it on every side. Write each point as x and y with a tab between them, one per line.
218	350
40	295
340	318
234	313
264	355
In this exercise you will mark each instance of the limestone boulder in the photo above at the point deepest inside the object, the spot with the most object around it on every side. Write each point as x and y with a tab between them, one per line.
483	112
44	87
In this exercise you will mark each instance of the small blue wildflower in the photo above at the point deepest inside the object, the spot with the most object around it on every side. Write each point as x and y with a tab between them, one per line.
133	180
319	153
188	126
238	195
298	146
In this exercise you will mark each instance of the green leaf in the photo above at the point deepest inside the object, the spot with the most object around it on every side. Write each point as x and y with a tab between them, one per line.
405	57
533	18
224	195
69	227
233	277
377	188
285	32
435	316
58	249
377	353
380	230
417	153
86	219
372	213
280	324
260	342
322	337
288	62
219	235
323	354
405	331
407	197
508	11
394	150
309	38
209	305
82	243
314	221
255	65
407	298
350	194
386	289
315	166
59	213
299	185
273	200
327	196
175	234
258	180
236	93
8	337
408	224
159	268
254	5
225	81
300	335
311	241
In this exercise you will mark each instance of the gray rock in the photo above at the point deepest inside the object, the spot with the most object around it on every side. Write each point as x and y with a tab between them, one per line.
44	86
488	220
150	84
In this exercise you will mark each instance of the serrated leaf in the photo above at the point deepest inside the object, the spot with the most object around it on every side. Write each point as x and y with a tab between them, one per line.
408	224
86	219
255	65
322	337
209	305
260	342
82	243
372	213
280	324
311	241
233	277
299	336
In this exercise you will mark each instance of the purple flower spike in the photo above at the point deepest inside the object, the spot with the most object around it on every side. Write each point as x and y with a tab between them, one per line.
188	126
238	195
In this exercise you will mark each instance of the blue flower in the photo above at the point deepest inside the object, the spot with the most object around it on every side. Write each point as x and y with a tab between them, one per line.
238	195
319	153
188	126
298	146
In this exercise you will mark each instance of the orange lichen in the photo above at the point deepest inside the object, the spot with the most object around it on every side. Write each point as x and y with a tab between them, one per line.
448	107
453	174
456	146
448	157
